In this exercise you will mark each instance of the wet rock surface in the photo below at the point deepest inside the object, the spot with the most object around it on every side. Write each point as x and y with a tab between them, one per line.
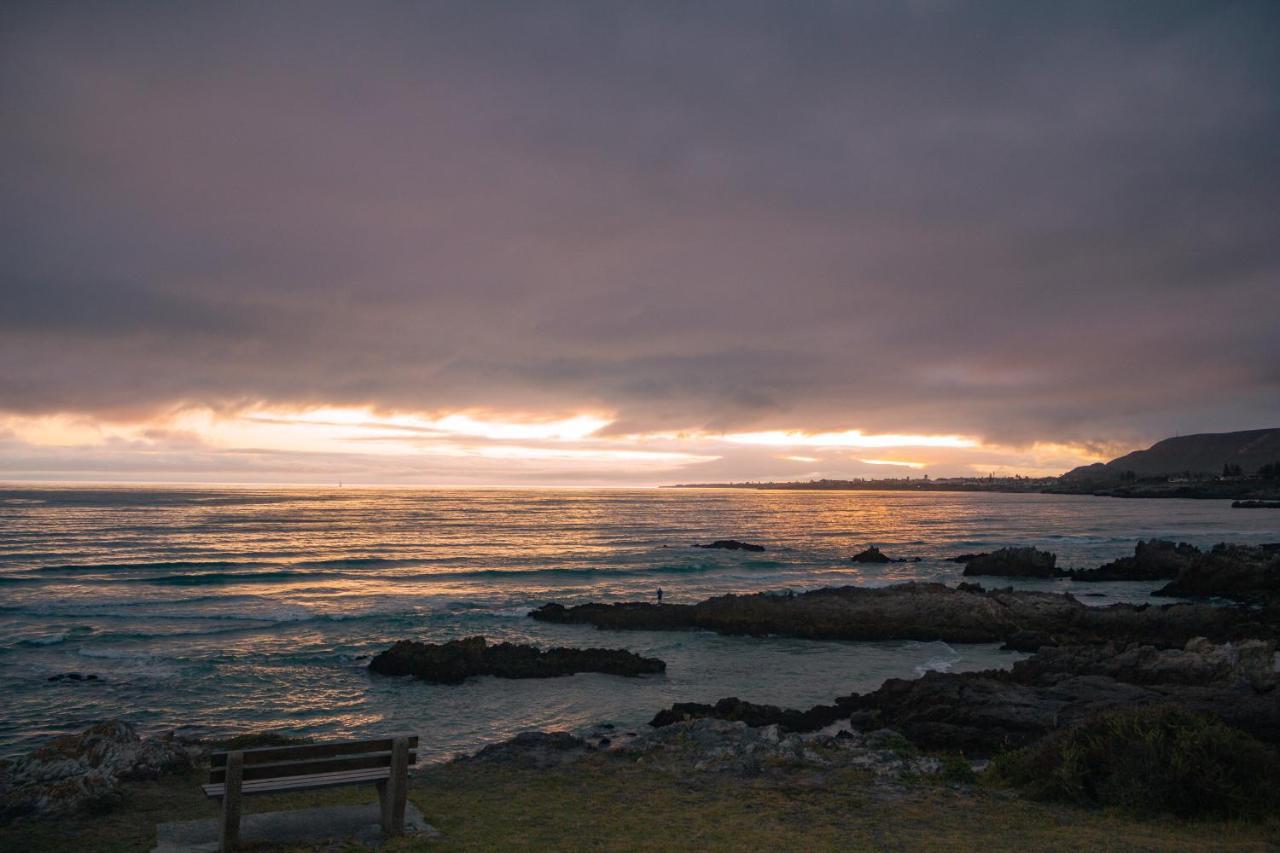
731	545
456	661
1154	560
83	772
1013	563
928	612
871	555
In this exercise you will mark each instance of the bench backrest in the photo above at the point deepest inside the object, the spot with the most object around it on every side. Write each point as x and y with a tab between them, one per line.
279	762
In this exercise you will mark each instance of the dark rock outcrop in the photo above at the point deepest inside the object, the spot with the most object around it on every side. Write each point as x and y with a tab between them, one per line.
454	662
1248	573
1151	561
1014	563
73	676
871	555
1255	504
731	545
965	558
927	612
79	773
533	749
985	712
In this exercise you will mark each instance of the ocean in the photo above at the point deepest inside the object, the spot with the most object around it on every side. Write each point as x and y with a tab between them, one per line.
226	610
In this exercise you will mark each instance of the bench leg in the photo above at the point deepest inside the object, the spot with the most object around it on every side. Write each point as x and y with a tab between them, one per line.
393	792
230	835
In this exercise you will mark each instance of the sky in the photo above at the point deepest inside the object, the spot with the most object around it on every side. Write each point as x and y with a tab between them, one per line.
631	243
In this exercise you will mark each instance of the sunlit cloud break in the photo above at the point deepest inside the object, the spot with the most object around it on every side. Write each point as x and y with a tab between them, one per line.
848	438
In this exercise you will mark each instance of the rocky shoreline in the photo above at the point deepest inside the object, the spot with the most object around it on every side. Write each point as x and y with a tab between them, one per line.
928	612
1215	663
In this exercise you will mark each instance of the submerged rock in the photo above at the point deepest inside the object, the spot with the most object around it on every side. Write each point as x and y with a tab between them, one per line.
1014	563
455	661
78	773
731	545
871	555
1153	560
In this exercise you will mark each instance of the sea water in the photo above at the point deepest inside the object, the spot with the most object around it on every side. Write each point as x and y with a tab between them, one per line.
226	610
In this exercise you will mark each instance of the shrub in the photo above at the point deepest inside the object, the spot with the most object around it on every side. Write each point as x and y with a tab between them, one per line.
1151	760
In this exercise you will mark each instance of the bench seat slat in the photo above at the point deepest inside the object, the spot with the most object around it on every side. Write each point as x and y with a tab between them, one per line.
302	752
297	783
311	766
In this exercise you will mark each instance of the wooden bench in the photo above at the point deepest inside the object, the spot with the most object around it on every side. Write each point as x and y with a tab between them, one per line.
276	769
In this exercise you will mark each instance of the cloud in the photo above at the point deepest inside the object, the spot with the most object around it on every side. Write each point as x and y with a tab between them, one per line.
1028	223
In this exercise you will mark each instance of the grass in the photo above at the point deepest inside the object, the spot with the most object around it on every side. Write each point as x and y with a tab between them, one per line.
1150	761
609	803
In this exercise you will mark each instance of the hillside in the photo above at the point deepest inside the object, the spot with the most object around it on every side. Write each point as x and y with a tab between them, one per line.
1204	454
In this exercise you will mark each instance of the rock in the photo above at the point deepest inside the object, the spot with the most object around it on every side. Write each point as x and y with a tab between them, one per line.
736	710
871	555
927	612
79	773
964	558
1241	572
72	676
731	545
1154	560
985	712
1255	504
533	749
1014	563
719	746
454	662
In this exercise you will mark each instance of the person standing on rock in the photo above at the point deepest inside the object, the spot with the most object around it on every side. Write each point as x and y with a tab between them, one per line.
659	595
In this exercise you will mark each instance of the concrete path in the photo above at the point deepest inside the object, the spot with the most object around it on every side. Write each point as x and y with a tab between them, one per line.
304	826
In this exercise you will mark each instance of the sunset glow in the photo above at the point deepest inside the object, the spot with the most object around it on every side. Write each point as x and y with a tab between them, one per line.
364	444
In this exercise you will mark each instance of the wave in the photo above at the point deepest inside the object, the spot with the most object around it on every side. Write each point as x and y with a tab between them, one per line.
168	565
669	569
224	578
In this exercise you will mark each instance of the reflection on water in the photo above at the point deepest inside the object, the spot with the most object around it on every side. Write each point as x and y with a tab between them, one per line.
229	609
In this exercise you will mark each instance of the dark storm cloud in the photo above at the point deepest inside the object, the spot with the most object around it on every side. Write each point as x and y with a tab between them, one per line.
1019	220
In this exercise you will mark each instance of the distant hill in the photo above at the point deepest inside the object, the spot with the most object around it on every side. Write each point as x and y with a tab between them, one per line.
1200	455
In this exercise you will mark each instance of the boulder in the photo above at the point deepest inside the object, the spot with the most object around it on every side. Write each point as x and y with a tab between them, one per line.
1014	563
454	662
81	773
731	545
871	555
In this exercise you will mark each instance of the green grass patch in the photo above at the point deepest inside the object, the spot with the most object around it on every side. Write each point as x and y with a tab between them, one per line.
608	802
1149	761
